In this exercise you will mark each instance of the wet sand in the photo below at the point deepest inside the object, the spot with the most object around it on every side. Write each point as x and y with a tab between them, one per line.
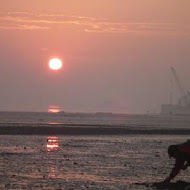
101	162
55	152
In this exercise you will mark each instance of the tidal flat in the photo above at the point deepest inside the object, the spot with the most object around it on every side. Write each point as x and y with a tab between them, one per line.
88	162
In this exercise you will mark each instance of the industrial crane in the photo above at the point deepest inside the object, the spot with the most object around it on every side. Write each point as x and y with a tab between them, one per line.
184	99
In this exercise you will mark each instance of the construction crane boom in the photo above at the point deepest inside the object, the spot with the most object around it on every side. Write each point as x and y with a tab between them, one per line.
181	89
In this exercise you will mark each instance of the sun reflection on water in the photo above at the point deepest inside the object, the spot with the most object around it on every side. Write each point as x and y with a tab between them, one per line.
54	109
52	143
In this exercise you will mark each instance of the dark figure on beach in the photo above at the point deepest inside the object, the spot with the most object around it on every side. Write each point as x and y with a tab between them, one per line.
181	153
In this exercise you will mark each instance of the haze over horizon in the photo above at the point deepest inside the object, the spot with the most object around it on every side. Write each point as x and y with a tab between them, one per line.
117	54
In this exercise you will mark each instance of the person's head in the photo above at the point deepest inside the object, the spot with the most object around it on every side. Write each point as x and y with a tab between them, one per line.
172	151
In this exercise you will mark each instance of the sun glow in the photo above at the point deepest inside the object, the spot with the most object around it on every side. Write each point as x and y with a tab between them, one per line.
55	64
54	109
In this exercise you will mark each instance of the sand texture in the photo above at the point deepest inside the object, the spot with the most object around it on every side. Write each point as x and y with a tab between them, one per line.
88	162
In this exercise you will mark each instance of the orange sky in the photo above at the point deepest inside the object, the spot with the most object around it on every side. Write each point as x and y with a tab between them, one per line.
117	54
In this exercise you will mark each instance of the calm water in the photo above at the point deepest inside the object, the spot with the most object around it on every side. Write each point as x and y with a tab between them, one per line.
33	118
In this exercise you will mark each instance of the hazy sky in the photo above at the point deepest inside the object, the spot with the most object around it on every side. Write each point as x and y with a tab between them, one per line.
117	54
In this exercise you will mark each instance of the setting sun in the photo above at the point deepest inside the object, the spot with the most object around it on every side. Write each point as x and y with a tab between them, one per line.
55	64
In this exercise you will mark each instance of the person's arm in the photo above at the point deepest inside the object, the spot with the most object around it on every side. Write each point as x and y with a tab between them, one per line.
186	165
178	166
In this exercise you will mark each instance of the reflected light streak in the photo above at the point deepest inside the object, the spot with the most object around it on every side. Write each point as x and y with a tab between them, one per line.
52	144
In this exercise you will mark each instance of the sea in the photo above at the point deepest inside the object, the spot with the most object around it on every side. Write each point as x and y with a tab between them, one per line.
109	119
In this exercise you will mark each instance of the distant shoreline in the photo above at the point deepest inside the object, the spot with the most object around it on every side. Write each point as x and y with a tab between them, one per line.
89	130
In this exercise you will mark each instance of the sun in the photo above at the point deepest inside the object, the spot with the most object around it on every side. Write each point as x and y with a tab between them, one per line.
55	63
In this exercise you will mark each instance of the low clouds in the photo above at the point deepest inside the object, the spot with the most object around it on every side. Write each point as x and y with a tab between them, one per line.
30	21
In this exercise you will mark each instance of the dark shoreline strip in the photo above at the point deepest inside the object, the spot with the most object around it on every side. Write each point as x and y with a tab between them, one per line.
83	130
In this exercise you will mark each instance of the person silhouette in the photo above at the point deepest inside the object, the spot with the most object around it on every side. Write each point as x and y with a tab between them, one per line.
181	153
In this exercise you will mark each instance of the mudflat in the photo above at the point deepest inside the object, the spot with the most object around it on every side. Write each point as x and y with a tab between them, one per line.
44	162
